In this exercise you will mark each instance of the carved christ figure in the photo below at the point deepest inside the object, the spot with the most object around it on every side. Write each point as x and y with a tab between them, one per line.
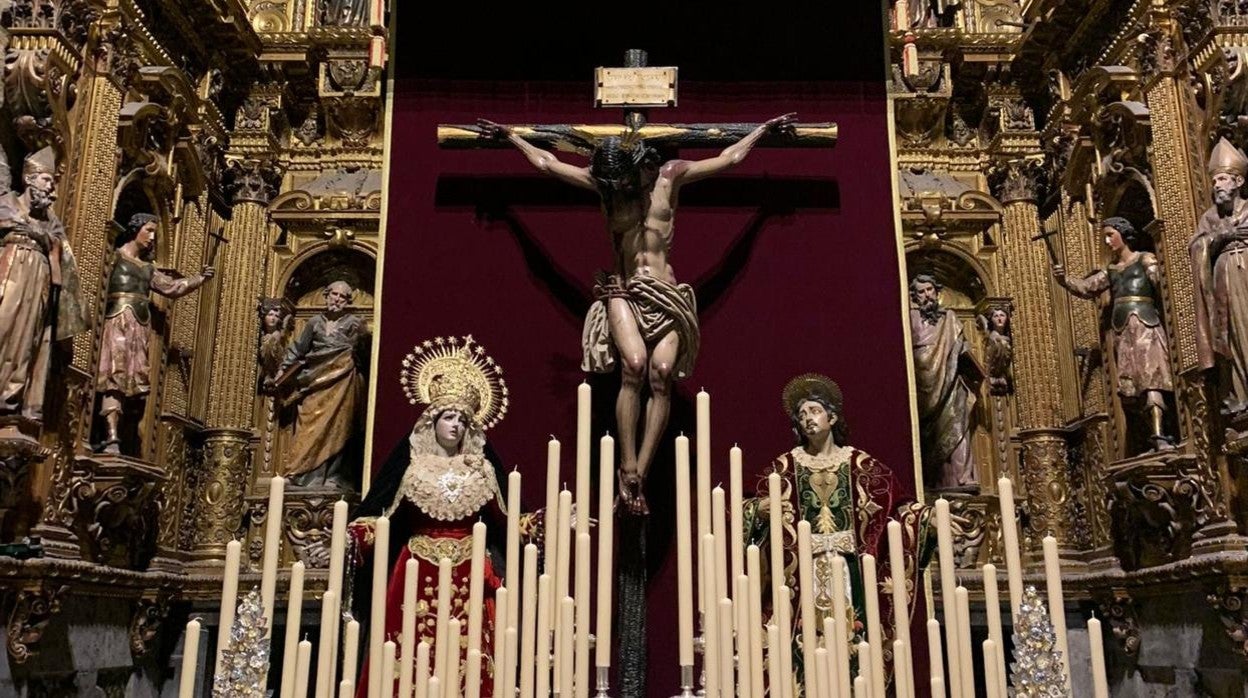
642	317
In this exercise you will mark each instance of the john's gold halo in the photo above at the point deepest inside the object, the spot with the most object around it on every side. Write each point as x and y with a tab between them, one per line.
455	372
810	385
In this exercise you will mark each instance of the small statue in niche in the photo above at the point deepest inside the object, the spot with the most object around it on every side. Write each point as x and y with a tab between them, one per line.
1219	252
277	320
123	373
321	380
947	378
40	300
1141	347
344	13
998	349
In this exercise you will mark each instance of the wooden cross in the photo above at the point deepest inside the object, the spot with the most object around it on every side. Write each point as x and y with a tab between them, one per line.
634	88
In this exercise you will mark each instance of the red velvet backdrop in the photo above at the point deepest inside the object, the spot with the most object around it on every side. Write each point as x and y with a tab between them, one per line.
479	244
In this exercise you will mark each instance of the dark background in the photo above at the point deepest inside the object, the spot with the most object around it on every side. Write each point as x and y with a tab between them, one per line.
792	254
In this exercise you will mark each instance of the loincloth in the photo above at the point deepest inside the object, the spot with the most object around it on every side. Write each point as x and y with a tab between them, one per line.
658	307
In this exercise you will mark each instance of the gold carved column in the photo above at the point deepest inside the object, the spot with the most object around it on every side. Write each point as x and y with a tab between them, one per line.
1045	463
232	387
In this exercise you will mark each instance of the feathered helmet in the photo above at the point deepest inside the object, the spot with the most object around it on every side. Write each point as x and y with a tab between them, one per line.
455	373
808	386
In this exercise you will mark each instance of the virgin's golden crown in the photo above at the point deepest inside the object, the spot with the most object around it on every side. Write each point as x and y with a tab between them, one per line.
456	373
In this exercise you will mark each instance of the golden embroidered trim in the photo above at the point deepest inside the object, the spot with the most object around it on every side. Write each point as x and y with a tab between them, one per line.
457	550
449	489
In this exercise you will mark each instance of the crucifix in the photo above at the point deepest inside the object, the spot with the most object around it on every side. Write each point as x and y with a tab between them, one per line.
642	320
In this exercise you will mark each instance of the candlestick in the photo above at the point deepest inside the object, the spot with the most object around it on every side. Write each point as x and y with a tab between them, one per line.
753	565
944	539
229	599
840	621
582	614
1100	683
583	437
992	604
992	675
544	615
936	665
965	655
1009	533
727	688
684	554
351	651
602	682
528	618
710	622
513	544
567	611
303	664
606	541
776	541
441	644
806	576
407	655
551	515
775	668
454	631
422	670
377	622
272	546
500	632
703	436
901	595
1057	605
476	586
736	518
472	686
190	660
294	611
327	647
871	590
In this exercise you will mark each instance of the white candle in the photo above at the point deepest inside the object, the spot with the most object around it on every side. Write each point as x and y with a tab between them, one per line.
509	669
583	600
583	445
472	686
823	668
1009	533
992	674
720	528
377	622
606	540
710	621
544	616
944	540
745	662
865	662
805	569
407	655
327	646
190	660
736	518
229	598
776	541
528	617
422	670
786	638
937	657
775	668
753	565
476	586
346	689
441	643
454	631
500	633
703	436
861	687
1100	682
840	621
965	653
726	686
303	659
272	546
386	689
901	596
513	543
992	604
1057	605
551	515
684	555
567	611
871	589
434	689
562	574
294	612
902	676
351	650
